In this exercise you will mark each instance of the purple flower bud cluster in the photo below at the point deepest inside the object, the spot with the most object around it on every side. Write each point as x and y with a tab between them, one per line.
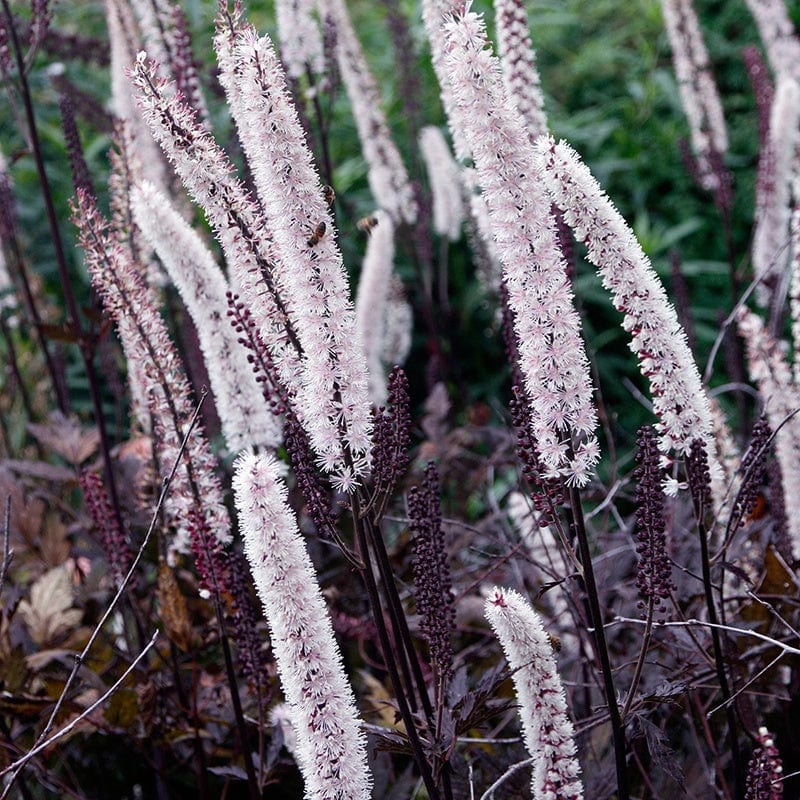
249	640
432	582
654	571
547	493
113	540
765	771
184	65
209	554
308	478
77	163
699	477
259	356
392	436
762	87
777	505
753	469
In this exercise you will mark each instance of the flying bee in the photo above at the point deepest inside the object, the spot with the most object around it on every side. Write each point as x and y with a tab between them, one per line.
367	224
328	195
319	232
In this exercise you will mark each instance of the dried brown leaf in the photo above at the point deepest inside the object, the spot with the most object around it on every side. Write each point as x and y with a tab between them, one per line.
65	437
173	610
49	612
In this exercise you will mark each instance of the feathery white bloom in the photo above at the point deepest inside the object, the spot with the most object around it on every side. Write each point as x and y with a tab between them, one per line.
155	21
659	341
398	325
246	421
778	35
237	221
300	38
331	748
770	371
551	353
123	44
333	400
195	488
387	176
371	301
448	201
774	191
547	730
518	59
434	15
698	92
729	455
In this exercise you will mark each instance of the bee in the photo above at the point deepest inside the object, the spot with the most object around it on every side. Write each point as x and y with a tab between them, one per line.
367	224
329	195
319	232
555	642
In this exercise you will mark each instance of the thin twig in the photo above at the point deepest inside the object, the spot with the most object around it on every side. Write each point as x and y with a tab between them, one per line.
489	793
80	658
698	623
19	763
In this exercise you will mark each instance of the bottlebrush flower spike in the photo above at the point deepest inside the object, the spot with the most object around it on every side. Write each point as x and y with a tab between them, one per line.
246	421
330	747
333	400
398	325
123	43
434	15
518	59
371	301
769	370
387	176
551	353
300	38
237	221
547	730
445	183
778	35
679	400
765	771
195	488
778	167
699	96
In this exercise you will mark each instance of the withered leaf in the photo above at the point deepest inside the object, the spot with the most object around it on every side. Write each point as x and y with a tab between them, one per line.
173	610
49	612
65	437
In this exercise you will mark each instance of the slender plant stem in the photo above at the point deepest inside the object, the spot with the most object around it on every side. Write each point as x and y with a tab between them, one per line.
596	616
719	662
637	673
391	666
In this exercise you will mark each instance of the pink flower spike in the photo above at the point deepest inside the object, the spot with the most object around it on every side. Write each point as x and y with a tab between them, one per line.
657	338
387	176
518	59
547	730
699	96
245	419
552	357
330	748
333	400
